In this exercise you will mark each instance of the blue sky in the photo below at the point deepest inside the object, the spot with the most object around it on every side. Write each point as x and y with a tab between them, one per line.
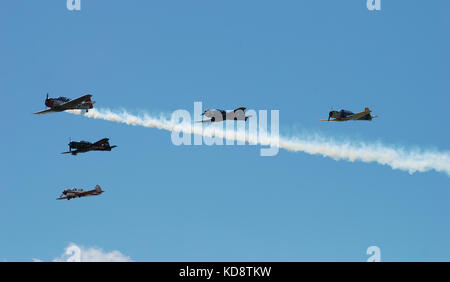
223	203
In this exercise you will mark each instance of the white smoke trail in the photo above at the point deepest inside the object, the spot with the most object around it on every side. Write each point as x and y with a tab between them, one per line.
397	158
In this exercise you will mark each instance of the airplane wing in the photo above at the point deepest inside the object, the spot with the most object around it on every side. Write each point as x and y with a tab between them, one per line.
85	193
100	142
328	120
62	198
45	112
359	115
74	102
71	152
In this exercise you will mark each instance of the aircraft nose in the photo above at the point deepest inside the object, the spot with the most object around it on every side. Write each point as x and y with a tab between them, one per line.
49	103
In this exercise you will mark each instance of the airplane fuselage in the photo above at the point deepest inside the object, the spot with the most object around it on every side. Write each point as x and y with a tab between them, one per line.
71	195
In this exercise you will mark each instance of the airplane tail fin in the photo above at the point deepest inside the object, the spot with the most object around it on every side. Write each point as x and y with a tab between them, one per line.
98	188
367	110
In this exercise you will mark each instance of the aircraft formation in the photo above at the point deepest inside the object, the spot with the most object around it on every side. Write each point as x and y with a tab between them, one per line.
61	104
84	102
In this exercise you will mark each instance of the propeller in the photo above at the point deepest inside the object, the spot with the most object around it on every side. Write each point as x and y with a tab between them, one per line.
70	141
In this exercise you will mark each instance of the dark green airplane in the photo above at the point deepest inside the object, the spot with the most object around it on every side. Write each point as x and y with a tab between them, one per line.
85	146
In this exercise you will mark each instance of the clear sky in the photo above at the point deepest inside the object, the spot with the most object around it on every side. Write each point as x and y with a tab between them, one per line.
224	203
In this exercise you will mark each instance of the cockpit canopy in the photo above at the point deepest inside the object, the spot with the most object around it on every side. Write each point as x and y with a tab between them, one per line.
345	113
64	99
75	190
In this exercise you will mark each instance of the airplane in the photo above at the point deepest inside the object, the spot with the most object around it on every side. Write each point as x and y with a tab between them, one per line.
85	146
78	193
61	104
344	115
221	115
